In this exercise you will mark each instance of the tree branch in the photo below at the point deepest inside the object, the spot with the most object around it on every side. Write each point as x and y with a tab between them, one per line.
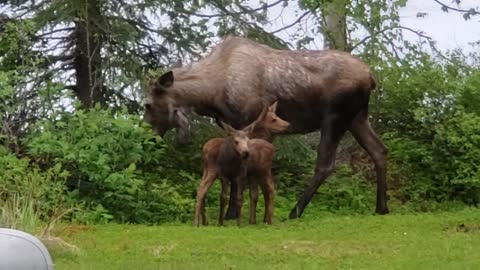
56	31
445	8
265	6
56	58
365	39
137	24
299	19
418	33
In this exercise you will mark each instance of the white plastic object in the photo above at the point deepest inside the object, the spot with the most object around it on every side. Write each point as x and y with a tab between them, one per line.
22	251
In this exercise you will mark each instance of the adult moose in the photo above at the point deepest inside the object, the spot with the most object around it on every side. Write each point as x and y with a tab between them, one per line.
316	90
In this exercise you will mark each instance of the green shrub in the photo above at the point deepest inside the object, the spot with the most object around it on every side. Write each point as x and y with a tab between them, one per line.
29	195
432	129
115	164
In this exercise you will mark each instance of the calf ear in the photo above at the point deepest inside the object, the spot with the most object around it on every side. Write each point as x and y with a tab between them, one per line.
260	118
229	129
249	129
166	80
273	107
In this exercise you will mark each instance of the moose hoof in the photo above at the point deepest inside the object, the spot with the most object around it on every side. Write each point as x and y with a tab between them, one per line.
294	213
382	211
230	215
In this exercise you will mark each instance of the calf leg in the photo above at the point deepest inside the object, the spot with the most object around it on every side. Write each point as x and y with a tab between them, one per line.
204	213
253	202
331	136
223	200
207	181
268	189
363	132
239	200
231	210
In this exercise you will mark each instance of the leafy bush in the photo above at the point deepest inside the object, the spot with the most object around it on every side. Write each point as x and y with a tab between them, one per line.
114	162
293	165
29	195
432	132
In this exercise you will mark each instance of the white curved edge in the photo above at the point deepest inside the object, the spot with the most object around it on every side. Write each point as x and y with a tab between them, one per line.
32	239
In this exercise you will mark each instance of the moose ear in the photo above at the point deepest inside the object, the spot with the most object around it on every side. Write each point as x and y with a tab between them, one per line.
154	88
273	107
166	80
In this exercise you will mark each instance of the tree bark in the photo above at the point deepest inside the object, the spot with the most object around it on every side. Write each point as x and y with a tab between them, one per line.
334	24
87	56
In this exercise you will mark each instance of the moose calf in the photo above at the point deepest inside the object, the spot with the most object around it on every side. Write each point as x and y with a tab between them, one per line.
239	158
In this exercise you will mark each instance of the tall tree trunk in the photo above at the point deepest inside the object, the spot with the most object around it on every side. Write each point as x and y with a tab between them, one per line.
87	61
334	24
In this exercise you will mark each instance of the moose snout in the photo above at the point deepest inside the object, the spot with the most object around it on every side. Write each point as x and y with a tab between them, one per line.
245	155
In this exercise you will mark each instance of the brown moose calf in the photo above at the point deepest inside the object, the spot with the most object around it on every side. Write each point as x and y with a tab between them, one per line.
244	160
259	172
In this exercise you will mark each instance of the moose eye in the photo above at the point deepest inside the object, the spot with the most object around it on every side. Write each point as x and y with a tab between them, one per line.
236	142
274	120
148	106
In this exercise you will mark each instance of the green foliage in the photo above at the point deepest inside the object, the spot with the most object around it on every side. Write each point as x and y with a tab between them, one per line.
432	130
293	165
28	194
27	90
114	162
133	38
346	191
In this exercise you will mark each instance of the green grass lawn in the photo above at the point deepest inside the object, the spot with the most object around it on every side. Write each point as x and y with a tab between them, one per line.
449	240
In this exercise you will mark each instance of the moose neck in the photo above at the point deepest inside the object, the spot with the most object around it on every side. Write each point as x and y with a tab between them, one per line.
194	90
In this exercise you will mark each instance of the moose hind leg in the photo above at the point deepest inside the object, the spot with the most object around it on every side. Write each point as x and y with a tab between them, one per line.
363	132
330	138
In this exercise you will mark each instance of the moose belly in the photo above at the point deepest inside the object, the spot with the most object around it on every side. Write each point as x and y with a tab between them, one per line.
309	114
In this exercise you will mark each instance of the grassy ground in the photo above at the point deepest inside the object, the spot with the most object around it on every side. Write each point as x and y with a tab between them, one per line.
449	240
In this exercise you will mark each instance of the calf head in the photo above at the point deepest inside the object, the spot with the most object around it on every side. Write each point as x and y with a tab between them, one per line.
238	139
272	122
